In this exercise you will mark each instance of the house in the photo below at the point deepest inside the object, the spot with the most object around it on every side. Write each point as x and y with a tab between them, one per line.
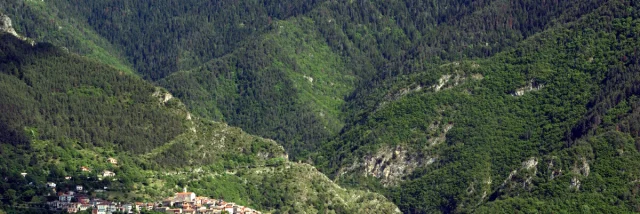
185	197
188	205
230	208
139	206
112	160
201	210
178	204
79	188
175	211
168	202
51	185
67	178
65	197
127	207
112	208
85	169
57	204
24	174
201	200
103	207
94	202
84	207
83	200
108	173
208	211
72	209
161	209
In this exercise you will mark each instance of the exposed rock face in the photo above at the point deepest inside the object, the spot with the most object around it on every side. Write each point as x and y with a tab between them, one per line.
163	96
575	183
532	163
5	25
531	86
443	135
582	170
390	164
521	178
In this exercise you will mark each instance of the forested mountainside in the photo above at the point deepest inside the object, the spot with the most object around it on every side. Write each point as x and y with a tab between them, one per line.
63	112
440	106
547	122
292	72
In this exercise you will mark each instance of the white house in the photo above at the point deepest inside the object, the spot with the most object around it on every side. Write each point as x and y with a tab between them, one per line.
65	197
112	160
51	185
108	173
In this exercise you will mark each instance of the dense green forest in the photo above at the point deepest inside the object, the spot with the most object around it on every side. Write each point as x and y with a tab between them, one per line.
581	69
440	106
249	63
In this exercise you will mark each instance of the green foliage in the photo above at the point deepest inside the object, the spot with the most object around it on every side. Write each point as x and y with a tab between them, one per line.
44	23
493	131
66	97
473	88
290	90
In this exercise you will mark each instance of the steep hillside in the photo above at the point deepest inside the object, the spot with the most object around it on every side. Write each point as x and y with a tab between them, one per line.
291	71
62	112
43	21
453	133
303	77
288	86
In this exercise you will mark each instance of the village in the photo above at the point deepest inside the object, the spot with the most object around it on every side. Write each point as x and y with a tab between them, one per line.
183	202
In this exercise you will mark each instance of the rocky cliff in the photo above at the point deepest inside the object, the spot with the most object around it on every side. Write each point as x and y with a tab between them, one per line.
7	27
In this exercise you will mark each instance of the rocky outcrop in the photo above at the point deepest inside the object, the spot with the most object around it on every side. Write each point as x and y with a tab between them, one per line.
390	164
454	74
520	179
580	168
7	27
162	95
531	86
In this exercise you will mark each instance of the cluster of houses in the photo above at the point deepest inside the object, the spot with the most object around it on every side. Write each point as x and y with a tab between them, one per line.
182	203
79	188
188	203
71	202
105	173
